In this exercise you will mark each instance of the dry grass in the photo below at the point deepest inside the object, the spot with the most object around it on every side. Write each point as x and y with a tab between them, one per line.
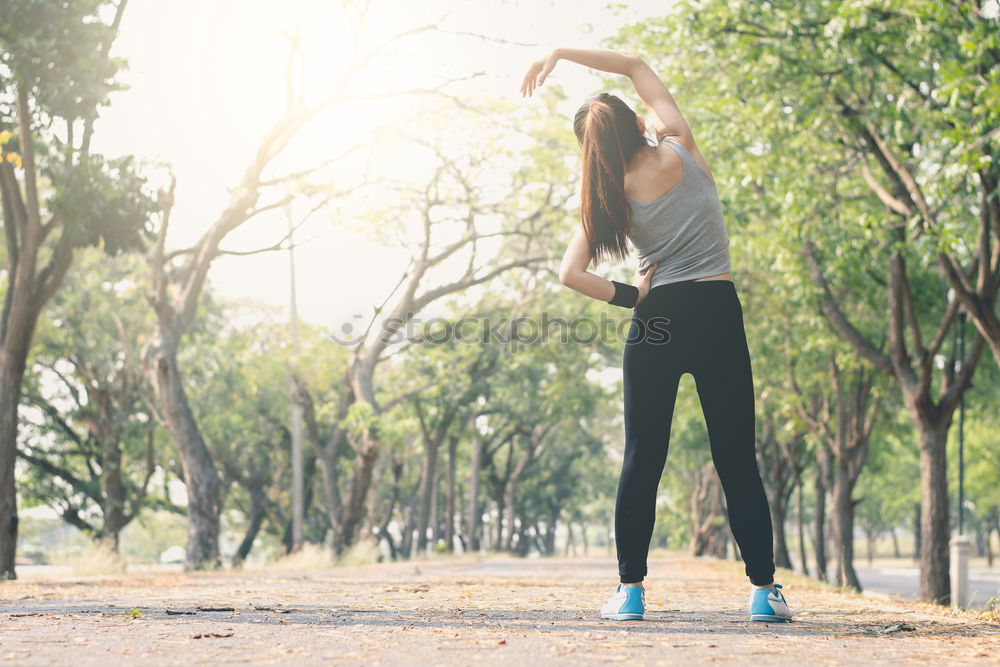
319	557
309	557
362	553
94	560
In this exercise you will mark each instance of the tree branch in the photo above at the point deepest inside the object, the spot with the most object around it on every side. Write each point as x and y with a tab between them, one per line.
33	223
79	485
51	276
836	316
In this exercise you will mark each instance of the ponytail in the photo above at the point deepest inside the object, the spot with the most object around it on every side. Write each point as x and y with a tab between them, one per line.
608	135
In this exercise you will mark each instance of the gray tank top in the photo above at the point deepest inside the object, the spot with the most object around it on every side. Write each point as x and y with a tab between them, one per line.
683	230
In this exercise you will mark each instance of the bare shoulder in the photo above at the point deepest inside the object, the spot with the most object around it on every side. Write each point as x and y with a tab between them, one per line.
687	141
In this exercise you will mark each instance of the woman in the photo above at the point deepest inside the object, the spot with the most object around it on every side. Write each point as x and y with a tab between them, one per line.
687	319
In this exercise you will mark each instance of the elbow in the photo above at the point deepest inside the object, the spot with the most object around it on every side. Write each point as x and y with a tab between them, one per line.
635	62
567	278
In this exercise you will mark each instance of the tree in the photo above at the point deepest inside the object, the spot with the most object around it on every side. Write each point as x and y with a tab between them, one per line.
889	485
452	403
88	433
57	196
844	417
177	277
447	220
237	363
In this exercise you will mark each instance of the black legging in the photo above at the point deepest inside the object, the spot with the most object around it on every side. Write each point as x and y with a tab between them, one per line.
690	327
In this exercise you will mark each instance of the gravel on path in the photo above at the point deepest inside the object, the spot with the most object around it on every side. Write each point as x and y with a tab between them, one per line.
472	609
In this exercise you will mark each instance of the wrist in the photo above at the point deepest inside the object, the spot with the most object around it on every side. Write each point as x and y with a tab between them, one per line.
626	296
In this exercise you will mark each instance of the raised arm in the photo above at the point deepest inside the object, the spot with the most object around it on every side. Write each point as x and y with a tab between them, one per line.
668	119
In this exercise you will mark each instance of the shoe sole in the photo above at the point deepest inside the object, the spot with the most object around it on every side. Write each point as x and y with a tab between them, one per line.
623	617
768	618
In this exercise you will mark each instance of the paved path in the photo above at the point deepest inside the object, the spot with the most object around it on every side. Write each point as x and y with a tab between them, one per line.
495	610
984	585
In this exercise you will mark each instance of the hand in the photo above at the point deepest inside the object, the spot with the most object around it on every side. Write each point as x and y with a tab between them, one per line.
537	73
642	278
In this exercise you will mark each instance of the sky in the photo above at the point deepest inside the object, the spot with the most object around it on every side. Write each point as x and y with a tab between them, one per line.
206	79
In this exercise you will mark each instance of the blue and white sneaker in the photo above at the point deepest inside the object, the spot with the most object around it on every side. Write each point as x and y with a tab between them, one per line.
627	604
769	607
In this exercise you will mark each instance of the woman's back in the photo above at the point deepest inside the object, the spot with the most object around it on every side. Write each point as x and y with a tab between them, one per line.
683	230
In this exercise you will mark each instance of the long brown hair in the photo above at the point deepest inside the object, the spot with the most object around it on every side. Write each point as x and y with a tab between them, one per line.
606	129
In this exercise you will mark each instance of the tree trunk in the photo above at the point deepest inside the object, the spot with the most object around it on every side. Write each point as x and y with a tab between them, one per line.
435	510
497	540
994	525
254	522
802	532
523	544
328	470
461	541
843	518
934	556
432	439
705	511
709	532
369	523
718	545
474	517
393	551
509	503
360	482
777	460
113	507
449	511
308	473
916	532
781	557
27	289
427	476
699	499
23	299
550	532
200	476
895	543
381	531
11	375
819	526
406	544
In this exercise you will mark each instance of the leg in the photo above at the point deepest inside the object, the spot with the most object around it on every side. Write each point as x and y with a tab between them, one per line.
650	390
725	388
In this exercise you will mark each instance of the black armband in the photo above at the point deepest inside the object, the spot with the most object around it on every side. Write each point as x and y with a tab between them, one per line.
625	296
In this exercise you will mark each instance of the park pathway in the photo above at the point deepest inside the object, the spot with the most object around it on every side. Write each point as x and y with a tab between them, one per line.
467	610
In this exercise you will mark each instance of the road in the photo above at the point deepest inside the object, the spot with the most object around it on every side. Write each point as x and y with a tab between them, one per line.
905	582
